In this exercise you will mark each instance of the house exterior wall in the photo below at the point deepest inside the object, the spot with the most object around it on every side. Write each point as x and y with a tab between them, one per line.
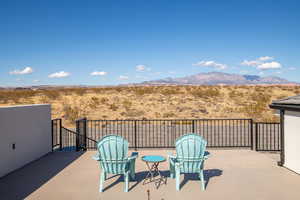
29	128
292	140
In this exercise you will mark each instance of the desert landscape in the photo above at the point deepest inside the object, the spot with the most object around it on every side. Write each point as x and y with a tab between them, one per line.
154	102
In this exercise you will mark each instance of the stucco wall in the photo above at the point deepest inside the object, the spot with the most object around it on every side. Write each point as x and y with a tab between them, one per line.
29	127
292	140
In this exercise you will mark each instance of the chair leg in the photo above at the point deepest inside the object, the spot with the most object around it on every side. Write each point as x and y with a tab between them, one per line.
126	179
102	177
172	171
105	176
132	171
202	180
177	180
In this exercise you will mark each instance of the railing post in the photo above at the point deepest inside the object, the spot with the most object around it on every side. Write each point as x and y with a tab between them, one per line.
193	126
282	150
135	135
251	138
60	134
77	134
84	133
52	121
256	136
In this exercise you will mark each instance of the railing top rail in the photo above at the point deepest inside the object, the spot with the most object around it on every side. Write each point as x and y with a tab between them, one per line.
202	119
81	119
75	133
55	119
267	122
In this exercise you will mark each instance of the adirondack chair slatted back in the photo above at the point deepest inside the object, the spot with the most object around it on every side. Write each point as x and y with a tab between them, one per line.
113	151
190	149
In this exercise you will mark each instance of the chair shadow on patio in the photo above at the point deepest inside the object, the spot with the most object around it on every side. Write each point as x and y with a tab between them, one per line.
24	181
140	176
208	174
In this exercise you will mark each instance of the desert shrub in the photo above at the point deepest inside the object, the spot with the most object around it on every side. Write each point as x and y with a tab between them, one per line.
169	114
52	94
127	104
71	114
16	95
75	110
142	90
235	94
80	91
133	113
104	100
209	92
94	102
113	107
170	91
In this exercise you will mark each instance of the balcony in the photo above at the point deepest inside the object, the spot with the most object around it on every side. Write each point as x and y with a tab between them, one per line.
230	174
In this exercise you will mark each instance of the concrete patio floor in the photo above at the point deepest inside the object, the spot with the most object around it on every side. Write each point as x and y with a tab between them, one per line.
230	174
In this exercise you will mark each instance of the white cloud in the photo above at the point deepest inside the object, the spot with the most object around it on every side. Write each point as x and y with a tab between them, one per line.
256	62
292	68
251	63
36	81
26	70
96	73
142	68
122	77
265	58
60	74
269	65
211	64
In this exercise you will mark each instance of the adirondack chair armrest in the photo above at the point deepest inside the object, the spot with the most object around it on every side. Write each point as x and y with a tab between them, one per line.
206	155
170	155
172	159
133	156
96	157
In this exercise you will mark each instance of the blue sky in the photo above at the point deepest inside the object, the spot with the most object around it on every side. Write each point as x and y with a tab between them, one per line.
64	42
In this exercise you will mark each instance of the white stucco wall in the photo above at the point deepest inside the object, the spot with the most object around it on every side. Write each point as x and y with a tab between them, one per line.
292	140
29	127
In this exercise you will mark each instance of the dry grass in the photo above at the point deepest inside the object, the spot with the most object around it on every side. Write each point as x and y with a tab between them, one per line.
152	102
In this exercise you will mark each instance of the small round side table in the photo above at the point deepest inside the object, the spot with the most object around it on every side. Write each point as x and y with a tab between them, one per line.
152	162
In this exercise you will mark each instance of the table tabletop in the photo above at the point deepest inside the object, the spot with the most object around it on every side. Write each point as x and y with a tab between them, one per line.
153	158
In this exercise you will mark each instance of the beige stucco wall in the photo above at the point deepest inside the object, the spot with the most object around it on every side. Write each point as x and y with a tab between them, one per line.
29	127
292	140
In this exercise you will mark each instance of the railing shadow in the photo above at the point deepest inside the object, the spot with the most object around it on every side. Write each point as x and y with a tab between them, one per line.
208	174
24	181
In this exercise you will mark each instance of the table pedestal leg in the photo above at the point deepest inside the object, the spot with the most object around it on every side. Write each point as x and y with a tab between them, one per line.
152	171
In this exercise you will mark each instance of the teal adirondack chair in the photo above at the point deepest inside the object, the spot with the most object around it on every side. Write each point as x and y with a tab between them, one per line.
190	156
113	159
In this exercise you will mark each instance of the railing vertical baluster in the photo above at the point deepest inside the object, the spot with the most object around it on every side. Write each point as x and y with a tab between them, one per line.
251	132
256	136
135	135
60	134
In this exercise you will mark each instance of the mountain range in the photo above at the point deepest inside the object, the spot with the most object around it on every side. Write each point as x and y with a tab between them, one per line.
218	78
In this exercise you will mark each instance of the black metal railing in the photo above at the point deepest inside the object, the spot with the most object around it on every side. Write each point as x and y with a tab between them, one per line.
219	133
64	139
267	136
163	133
68	142
56	125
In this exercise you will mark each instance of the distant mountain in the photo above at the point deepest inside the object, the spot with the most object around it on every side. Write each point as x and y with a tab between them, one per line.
216	78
